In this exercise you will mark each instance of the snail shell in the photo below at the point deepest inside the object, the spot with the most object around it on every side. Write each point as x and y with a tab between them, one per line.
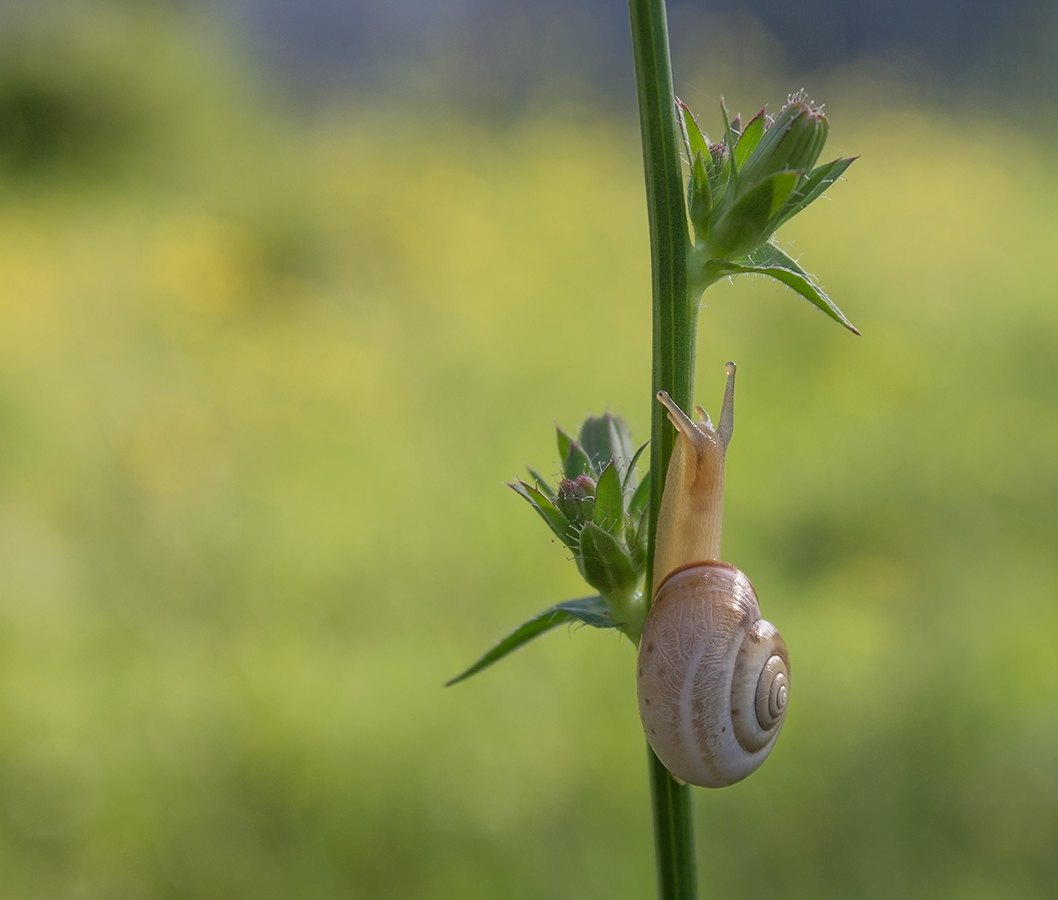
713	678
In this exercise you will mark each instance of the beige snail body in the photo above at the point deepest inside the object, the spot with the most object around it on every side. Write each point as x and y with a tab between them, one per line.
712	676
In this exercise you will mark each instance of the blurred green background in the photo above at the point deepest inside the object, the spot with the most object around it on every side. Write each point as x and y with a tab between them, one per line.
264	368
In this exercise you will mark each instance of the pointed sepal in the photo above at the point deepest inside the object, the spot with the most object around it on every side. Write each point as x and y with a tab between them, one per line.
575	461
551	514
750	138
609	511
604	439
541	484
812	187
604	562
693	138
751	219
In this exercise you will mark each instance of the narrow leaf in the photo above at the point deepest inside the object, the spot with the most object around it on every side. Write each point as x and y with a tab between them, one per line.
553	516
588	610
731	140
721	184
639	542
767	156
630	475
751	136
699	198
818	180
641	497
578	463
542	485
565	443
574	460
782	268
696	141
609	504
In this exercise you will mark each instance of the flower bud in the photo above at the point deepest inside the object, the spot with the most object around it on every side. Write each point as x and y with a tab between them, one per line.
742	188
750	222
757	177
605	563
792	142
576	499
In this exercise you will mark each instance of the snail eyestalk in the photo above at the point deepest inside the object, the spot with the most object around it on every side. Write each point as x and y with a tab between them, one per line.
727	410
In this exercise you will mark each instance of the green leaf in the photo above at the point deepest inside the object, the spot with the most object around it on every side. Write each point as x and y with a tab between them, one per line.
699	198
783	142
636	530
630	475
692	134
731	140
578	463
604	562
565	444
817	181
783	185
639	542
588	610
751	136
771	261
556	521
574	460
542	485
609	504
606	438
750	220
721	184
641	497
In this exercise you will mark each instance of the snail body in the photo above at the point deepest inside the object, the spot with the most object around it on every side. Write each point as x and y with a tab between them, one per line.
712	676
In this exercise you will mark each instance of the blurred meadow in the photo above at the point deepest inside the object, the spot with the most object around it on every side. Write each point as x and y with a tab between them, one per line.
263	375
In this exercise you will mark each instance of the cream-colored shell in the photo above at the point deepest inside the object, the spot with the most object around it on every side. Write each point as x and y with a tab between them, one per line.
704	678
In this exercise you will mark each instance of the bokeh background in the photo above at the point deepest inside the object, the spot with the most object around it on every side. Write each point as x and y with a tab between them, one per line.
288	291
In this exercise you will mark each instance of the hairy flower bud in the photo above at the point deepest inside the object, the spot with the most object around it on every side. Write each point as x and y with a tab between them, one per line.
576	499
742	188
792	142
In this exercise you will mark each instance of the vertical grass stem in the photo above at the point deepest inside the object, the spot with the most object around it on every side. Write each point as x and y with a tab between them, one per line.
673	341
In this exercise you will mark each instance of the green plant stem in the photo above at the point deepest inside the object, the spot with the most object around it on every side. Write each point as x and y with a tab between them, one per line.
673	833
673	341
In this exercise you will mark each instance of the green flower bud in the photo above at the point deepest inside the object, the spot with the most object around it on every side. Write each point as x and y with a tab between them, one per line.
742	188
605	563
576	499
757	177
792	142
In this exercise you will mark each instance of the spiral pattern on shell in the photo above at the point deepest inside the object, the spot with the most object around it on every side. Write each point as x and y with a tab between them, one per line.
713	678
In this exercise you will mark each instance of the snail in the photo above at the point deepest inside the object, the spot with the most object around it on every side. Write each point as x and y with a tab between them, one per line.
713	678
